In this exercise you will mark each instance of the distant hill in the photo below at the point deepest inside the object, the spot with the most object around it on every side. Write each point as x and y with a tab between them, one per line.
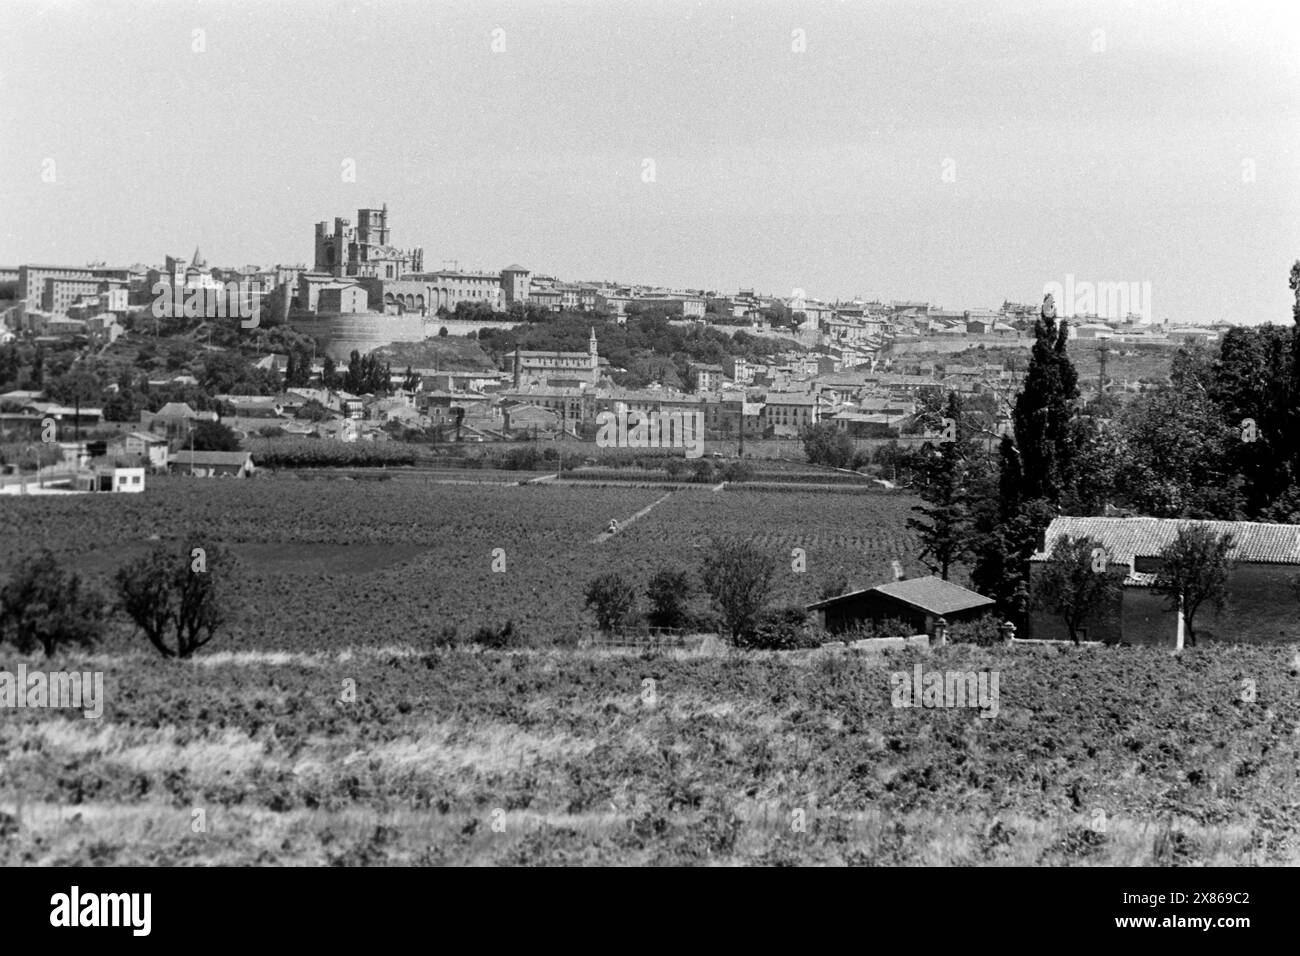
446	354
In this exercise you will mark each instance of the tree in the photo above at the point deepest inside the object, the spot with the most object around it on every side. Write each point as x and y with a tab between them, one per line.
44	605
1100	453
214	436
298	371
1036	470
668	592
1250	384
177	598
229	373
312	411
329	375
1043	409
1078	583
825	444
442	332
944	478
1194	570
75	386
120	407
612	599
354	379
738	577
1175	456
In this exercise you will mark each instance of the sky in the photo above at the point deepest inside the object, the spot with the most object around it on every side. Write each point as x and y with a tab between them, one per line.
958	153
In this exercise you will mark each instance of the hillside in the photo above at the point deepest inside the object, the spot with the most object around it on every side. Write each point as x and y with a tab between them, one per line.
447	354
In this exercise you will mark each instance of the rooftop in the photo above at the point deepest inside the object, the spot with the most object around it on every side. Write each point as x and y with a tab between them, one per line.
1125	538
931	594
187	457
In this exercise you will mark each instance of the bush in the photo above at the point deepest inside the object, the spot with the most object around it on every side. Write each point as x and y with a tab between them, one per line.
833	588
612	599
270	431
781	629
43	605
445	637
316	453
313	411
871	630
738	576
499	638
668	592
525	458
982	630
702	471
735	471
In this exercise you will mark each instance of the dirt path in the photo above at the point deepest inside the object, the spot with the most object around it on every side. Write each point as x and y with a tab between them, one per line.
605	535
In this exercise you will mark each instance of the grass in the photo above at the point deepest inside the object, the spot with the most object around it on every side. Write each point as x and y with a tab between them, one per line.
1101	757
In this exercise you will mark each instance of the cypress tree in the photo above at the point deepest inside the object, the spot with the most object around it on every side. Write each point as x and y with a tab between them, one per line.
1043	409
945	476
1036	470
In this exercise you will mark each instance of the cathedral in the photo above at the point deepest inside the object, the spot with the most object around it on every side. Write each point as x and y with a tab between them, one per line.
363	251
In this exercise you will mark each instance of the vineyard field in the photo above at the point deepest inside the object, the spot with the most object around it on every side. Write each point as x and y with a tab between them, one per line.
326	564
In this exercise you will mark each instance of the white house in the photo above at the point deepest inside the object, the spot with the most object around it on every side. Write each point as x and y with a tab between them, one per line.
112	478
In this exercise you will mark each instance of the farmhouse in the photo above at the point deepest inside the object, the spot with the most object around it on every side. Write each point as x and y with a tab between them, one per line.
212	464
1262	603
919	602
111	478
528	417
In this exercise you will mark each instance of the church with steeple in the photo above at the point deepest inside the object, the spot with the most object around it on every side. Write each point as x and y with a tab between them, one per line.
560	369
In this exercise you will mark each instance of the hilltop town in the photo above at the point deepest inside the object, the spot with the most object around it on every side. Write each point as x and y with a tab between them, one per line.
142	351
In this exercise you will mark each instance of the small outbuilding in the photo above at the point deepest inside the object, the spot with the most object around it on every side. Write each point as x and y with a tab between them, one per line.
919	602
213	464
